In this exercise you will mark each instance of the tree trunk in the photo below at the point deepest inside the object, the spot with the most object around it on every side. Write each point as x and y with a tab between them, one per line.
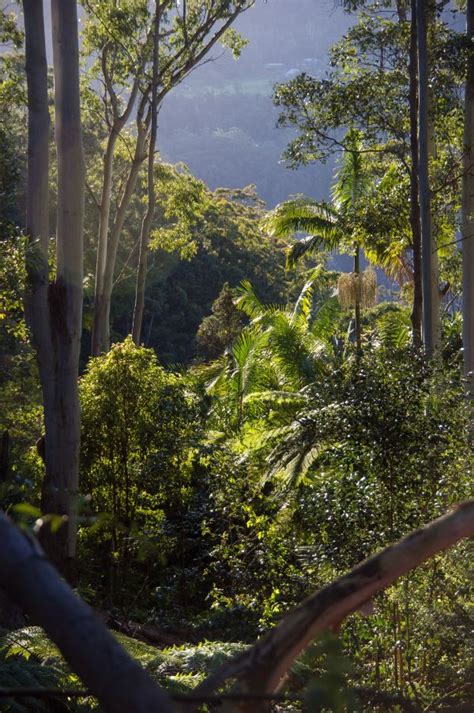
435	291
358	329
119	121
54	311
430	290
104	220
468	212
417	310
101	326
37	200
401	10
151	198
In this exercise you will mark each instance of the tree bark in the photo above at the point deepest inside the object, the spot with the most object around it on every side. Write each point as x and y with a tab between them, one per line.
101	326
104	219
468	211
432	151
119	682
358	329
417	310
54	311
263	668
429	277
119	122
151	197
37	200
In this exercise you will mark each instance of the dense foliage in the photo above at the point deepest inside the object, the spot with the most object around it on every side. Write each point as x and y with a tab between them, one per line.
262	440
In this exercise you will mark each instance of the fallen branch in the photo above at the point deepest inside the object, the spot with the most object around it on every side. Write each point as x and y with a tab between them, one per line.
116	680
263	668
149	634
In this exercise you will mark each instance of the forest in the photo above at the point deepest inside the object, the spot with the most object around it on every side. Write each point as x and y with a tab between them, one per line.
236	421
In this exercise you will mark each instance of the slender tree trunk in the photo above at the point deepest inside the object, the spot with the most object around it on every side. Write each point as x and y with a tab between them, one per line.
37	208
468	211
104	221
430	300
101	326
416	315
358	329
119	123
151	198
401	10
435	291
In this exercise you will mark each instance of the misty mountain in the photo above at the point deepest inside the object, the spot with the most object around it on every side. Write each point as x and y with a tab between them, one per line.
221	122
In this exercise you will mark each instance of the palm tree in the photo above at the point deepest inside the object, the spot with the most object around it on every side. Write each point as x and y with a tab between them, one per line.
276	356
332	226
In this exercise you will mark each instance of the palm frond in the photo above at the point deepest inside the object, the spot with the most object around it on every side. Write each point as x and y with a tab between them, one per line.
309	245
324	322
394	329
247	300
301	214
352	181
304	304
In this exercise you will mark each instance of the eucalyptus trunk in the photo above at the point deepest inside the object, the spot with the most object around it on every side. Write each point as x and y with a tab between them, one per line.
54	309
417	310
151	194
468	212
99	332
432	151
103	297
429	272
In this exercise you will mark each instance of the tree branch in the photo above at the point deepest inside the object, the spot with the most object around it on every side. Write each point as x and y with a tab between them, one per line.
264	667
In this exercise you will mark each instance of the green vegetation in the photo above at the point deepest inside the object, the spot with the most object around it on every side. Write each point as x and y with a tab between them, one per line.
275	424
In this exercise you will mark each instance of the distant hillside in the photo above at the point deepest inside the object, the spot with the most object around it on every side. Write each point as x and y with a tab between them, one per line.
221	121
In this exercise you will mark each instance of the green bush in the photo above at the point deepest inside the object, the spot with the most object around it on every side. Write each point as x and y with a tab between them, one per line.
139	425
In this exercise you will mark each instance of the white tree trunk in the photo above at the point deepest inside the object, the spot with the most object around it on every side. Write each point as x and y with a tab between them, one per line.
55	310
468	213
101	326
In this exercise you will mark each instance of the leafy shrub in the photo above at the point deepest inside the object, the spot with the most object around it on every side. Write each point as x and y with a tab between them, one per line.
138	428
